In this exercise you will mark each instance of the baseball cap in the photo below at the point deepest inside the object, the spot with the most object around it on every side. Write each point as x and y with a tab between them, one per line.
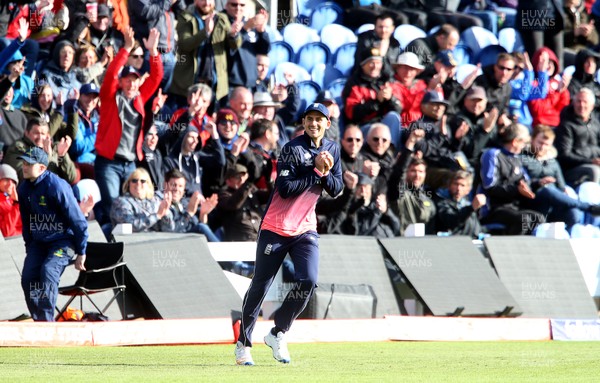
7	171
227	115
370	54
316	107
129	70
103	10
476	92
446	58
409	59
89	88
235	170
35	155
325	96
434	97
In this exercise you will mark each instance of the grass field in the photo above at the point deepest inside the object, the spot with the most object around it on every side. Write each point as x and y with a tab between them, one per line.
324	362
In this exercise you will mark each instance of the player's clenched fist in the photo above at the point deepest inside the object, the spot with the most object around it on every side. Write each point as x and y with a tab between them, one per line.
324	161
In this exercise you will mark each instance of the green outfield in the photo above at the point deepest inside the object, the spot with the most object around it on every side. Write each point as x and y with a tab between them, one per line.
323	362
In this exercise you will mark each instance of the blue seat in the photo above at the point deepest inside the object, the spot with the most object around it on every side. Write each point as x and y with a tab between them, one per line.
312	54
300	74
308	94
280	52
477	38
487	56
274	34
511	40
325	74
463	70
335	35
298	35
303	10
363	28
365	3
462	54
406	33
324	14
336	88
343	59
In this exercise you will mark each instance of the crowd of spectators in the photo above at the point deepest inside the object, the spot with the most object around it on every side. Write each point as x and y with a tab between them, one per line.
170	107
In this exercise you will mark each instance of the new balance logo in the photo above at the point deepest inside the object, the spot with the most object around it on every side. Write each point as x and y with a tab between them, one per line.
268	249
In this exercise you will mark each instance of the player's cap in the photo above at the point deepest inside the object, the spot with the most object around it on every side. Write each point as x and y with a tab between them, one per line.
316	107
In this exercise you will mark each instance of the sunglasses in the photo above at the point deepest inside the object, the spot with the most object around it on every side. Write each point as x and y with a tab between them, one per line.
382	139
353	139
136	56
503	68
136	180
237	5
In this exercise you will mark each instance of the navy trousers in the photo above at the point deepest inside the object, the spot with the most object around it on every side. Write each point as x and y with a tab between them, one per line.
42	268
270	251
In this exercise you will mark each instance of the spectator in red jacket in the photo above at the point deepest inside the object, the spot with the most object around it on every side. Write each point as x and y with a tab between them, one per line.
546	111
120	134
407	88
369	97
10	214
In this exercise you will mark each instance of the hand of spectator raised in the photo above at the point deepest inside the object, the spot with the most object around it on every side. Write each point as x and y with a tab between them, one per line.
241	144
209	23
385	92
350	179
462	130
371	168
468	81
164	205
529	65
478	201
62	148
207	206
128	39
211	127
415	136
564	82
194	203
236	27
151	43
381	203
525	190
23	30
195	103
47	145
159	101
108	55
544	62
280	93
86	205
260	21
490	119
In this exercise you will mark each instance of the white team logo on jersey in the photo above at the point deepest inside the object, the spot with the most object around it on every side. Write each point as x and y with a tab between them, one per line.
284	173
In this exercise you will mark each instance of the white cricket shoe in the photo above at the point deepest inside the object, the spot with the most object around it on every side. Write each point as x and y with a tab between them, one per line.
279	347
242	355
